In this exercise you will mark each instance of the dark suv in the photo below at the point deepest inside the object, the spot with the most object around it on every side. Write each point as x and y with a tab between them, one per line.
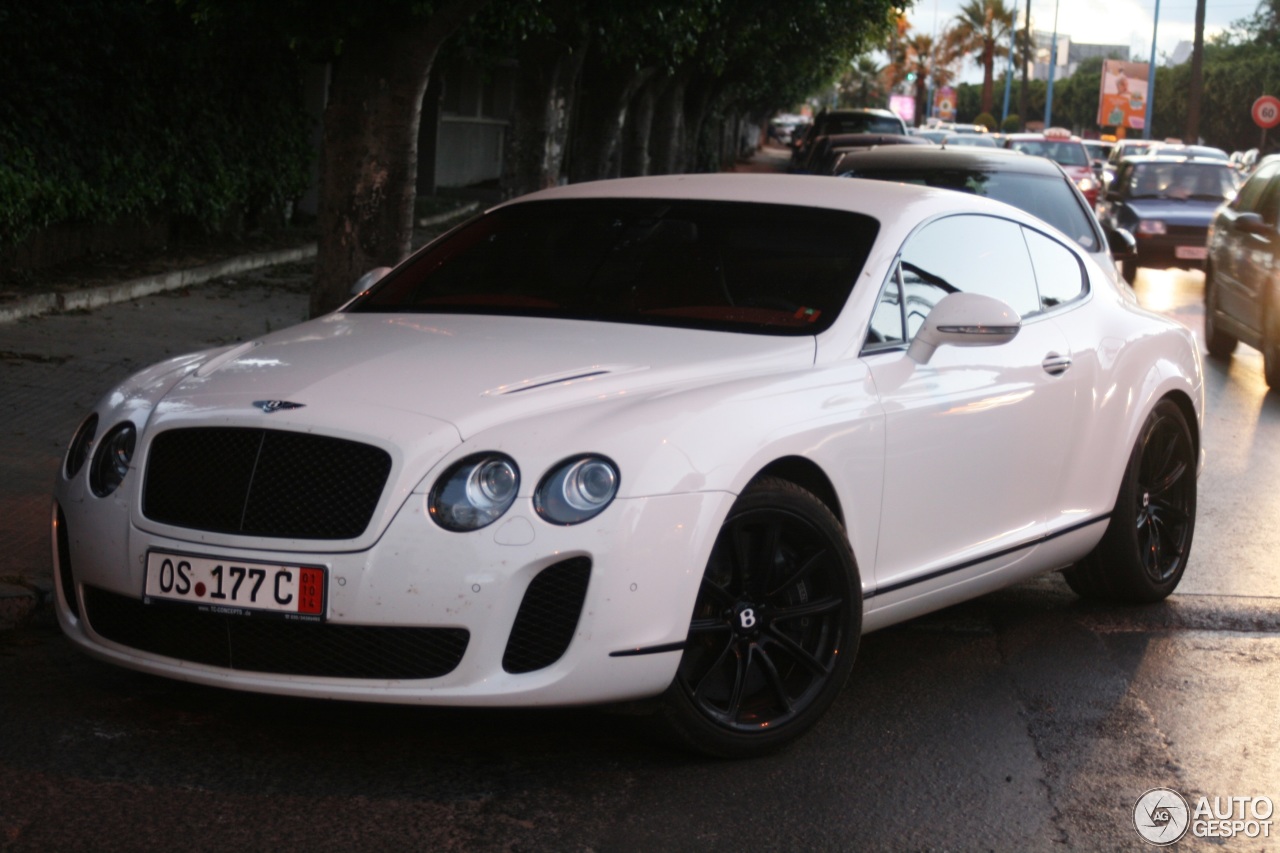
1242	274
830	122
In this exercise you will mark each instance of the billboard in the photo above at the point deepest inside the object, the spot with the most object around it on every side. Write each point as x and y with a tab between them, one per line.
1123	99
944	104
905	108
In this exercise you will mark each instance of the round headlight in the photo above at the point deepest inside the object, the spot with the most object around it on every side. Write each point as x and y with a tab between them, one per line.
576	489
78	452
474	492
112	459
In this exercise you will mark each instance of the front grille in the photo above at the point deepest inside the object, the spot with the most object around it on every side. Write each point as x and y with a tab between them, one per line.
265	644
548	616
65	576
260	482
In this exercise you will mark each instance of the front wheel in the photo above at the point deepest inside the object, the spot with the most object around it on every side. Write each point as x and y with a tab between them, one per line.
1217	342
1143	554
1271	349
775	627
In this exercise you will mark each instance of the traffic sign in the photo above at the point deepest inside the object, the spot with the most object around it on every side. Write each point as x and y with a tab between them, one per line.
1266	112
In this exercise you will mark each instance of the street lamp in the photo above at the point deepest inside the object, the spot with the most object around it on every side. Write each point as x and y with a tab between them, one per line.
1053	62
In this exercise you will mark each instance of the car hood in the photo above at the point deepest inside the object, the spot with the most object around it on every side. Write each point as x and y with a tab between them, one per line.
472	372
1175	212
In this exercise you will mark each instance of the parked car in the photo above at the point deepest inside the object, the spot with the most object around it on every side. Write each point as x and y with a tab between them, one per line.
1098	152
1167	203
969	140
1065	150
1241	283
675	440
1034	184
829	122
827	150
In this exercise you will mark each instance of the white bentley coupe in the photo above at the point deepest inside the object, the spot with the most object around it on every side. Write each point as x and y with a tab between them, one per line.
678	439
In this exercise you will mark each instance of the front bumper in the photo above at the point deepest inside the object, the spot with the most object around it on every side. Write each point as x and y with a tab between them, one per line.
643	558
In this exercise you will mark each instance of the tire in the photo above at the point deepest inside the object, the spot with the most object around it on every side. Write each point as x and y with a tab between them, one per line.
1129	269
1271	349
1143	554
1217	342
775	627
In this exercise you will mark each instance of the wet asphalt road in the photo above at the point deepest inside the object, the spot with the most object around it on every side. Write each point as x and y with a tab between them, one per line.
1027	720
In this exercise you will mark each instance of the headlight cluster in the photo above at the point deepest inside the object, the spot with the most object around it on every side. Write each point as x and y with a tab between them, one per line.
476	491
112	458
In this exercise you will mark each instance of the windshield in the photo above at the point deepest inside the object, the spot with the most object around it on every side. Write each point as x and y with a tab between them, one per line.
1202	182
760	268
1066	152
1048	197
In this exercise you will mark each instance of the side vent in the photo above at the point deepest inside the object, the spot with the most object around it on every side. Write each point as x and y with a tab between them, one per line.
548	616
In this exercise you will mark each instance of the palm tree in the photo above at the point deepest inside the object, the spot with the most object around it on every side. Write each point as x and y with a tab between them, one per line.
982	30
860	86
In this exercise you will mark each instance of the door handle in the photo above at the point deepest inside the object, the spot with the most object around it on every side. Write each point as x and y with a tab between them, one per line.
1056	365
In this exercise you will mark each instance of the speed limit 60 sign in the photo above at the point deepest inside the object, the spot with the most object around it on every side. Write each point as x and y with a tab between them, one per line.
1266	112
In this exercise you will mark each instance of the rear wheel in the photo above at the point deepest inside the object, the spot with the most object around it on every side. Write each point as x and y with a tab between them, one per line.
1143	554
1217	342
1271	349
775	626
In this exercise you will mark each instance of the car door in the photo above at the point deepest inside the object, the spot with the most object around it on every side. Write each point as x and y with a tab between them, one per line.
973	437
1243	262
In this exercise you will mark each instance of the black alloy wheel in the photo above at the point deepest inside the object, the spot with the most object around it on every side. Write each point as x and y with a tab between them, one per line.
775	627
1144	552
1271	348
1217	342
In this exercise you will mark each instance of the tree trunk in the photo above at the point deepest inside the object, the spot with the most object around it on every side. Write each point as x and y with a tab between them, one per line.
666	139
369	159
988	76
637	128
1196	92
603	95
698	96
535	145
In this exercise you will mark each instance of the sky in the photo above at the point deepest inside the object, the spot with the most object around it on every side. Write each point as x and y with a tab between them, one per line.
1100	22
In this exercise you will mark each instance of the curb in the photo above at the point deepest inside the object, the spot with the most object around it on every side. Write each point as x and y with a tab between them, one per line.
94	297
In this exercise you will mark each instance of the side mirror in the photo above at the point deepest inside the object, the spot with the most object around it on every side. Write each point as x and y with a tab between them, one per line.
369	279
1252	223
965	320
1121	243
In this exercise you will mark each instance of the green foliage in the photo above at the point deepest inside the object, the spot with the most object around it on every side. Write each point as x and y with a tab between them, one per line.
114	108
1011	124
987	120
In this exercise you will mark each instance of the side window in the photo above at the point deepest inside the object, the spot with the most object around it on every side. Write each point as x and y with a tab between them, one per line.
1059	275
886	322
967	254
1251	193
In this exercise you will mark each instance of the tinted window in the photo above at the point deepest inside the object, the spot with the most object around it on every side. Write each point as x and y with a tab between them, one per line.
1059	276
1047	197
1251	193
769	269
861	124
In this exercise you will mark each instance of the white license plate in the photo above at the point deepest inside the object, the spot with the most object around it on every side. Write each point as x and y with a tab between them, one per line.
1191	253
236	587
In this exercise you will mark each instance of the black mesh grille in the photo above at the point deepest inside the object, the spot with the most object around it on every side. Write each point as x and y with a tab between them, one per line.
548	616
280	646
65	575
264	482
